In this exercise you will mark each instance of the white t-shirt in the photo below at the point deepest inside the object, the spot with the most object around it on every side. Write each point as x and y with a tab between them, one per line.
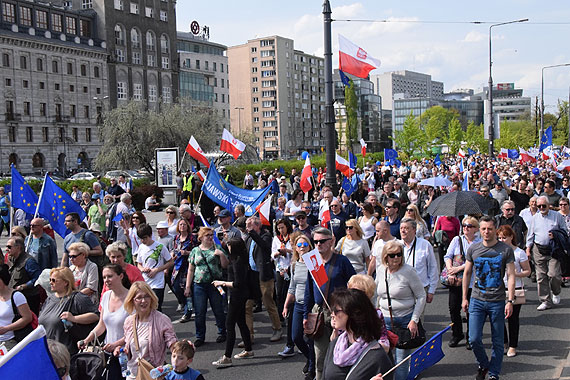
147	258
356	251
7	314
292	208
114	321
520	256
377	252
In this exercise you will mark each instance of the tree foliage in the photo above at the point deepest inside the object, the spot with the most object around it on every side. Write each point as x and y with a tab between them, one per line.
454	135
474	137
515	134
351	105
435	122
130	134
411	137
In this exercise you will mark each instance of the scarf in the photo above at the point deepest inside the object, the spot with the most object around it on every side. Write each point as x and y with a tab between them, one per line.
346	354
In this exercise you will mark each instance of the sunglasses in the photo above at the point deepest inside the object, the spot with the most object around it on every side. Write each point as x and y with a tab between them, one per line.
467	226
563	204
349	227
170	212
542	206
52	280
509	209
302	244
135	217
394	255
410	210
301	217
8	247
322	241
75	256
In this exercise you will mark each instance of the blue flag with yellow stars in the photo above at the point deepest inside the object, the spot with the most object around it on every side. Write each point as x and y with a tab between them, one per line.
427	355
55	203
23	196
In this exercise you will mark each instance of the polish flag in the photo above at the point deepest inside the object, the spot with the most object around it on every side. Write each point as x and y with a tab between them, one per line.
504	154
200	175
355	60
564	165
461	153
547	153
526	156
231	145
315	265
325	214
363	146
264	210
306	176
343	166
194	150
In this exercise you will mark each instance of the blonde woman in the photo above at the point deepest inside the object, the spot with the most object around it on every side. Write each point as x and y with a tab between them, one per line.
422	230
172	220
84	271
355	247
66	303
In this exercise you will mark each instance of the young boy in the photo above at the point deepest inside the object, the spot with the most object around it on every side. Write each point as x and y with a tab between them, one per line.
182	355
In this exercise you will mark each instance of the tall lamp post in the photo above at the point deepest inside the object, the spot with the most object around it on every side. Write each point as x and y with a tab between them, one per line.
490	95
542	96
329	107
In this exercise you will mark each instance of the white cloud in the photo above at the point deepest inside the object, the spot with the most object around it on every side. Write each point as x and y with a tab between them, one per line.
474	36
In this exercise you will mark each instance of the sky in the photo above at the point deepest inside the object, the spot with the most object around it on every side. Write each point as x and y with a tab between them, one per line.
440	41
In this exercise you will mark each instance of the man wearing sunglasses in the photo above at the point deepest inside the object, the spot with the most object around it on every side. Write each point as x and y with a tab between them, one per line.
548	272
24	272
302	225
551	194
509	218
42	247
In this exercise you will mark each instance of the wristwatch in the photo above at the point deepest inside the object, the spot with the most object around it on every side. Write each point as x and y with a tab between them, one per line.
511	301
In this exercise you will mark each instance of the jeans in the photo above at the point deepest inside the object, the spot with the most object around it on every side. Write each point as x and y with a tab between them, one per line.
298	335
203	293
478	312
236	314
178	290
401	373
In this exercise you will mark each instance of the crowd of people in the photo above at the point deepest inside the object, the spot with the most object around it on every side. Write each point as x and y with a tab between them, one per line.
384	254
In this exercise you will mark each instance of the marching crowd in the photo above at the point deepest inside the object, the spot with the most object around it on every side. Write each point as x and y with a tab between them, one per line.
384	249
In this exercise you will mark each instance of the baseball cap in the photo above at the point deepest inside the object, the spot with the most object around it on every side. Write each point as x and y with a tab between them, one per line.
224	213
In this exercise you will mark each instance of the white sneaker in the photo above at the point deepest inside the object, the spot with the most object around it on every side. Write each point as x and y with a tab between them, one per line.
556	299
543	306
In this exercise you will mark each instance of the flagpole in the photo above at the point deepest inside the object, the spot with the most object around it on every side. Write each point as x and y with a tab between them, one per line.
37	209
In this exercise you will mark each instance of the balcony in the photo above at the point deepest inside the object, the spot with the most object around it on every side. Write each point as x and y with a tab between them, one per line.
11	116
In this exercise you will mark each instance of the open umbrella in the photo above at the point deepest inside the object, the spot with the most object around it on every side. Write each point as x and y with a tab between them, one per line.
458	203
436	181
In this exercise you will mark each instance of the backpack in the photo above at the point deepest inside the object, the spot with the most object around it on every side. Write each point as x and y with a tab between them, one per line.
20	334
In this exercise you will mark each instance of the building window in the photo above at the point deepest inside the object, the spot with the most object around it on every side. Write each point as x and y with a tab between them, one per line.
152	93
8	12
41	19
25	83
83	70
74	132
223	81
149	12
72	110
84	28
119	5
70	26
215	82
119	36
198	64
121	90
135	39
214	67
61	134
88	134
151	60
42	85
45	134
165	48
25	16
86	112
85	89
56	22
40	64
206	65
12	133
120	55
223	98
69	68
86	4
8	82
6	60
134	8
166	94
55	67
137	91
165	62
96	71
29	134
136	58
163	16
43	109
150	41
222	67
56	86
98	90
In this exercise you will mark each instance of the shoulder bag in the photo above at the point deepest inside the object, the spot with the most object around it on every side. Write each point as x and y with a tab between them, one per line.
316	321
144	366
520	296
444	276
405	340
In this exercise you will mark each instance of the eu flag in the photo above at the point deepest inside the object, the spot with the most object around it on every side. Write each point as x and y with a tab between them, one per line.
344	79
427	355
347	186
352	160
471	151
513	153
437	160
23	196
546	139
390	154
55	203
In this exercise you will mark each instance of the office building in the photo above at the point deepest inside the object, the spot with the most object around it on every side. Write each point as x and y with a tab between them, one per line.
406	84
204	73
508	102
54	80
404	106
277	93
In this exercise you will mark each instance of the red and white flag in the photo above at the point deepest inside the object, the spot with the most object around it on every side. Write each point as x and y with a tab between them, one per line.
343	166
200	174
363	146
355	60
504	154
194	150
231	145
316	266
325	214
564	165
264	210
526	156
306	176
461	153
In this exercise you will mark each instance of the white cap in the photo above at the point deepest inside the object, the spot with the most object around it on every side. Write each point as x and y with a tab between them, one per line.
162	224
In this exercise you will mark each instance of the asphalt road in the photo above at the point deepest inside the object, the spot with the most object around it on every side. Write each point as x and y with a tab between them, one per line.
542	353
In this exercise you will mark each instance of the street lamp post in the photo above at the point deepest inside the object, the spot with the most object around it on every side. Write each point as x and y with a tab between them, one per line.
329	107
490	95
542	95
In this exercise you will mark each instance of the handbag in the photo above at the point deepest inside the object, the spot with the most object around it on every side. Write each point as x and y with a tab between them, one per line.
444	276
78	331
144	366
520	296
316	321
405	340
89	363
20	334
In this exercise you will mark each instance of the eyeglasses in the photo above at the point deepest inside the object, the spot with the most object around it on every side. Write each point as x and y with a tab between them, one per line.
302	244
334	205
509	209
322	241
336	311
140	299
135	217
36	225
394	255
563	204
468	226
170	212
387	207
349	227
542	206
8	247
75	256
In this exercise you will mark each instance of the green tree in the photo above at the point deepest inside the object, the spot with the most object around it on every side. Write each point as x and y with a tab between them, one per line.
411	137
474	137
455	135
514	134
435	122
130	134
351	105
560	124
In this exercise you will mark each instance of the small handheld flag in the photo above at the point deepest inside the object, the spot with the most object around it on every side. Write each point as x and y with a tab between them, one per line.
427	355
315	265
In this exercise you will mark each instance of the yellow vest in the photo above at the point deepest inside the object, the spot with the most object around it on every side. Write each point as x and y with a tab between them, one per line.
187	183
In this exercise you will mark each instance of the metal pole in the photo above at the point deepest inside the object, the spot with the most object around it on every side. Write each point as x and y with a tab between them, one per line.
542	96
568	117
329	108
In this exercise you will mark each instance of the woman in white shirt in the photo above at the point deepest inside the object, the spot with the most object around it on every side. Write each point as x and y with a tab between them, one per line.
84	271
7	327
522	269
172	220
294	205
368	221
355	247
281	252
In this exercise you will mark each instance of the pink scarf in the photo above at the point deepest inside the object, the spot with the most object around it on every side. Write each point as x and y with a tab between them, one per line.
346	354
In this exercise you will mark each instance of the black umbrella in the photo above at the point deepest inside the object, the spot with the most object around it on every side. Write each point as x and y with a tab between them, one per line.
458	203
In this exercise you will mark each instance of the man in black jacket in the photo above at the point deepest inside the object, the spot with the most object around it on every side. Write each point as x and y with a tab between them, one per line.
258	245
517	223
